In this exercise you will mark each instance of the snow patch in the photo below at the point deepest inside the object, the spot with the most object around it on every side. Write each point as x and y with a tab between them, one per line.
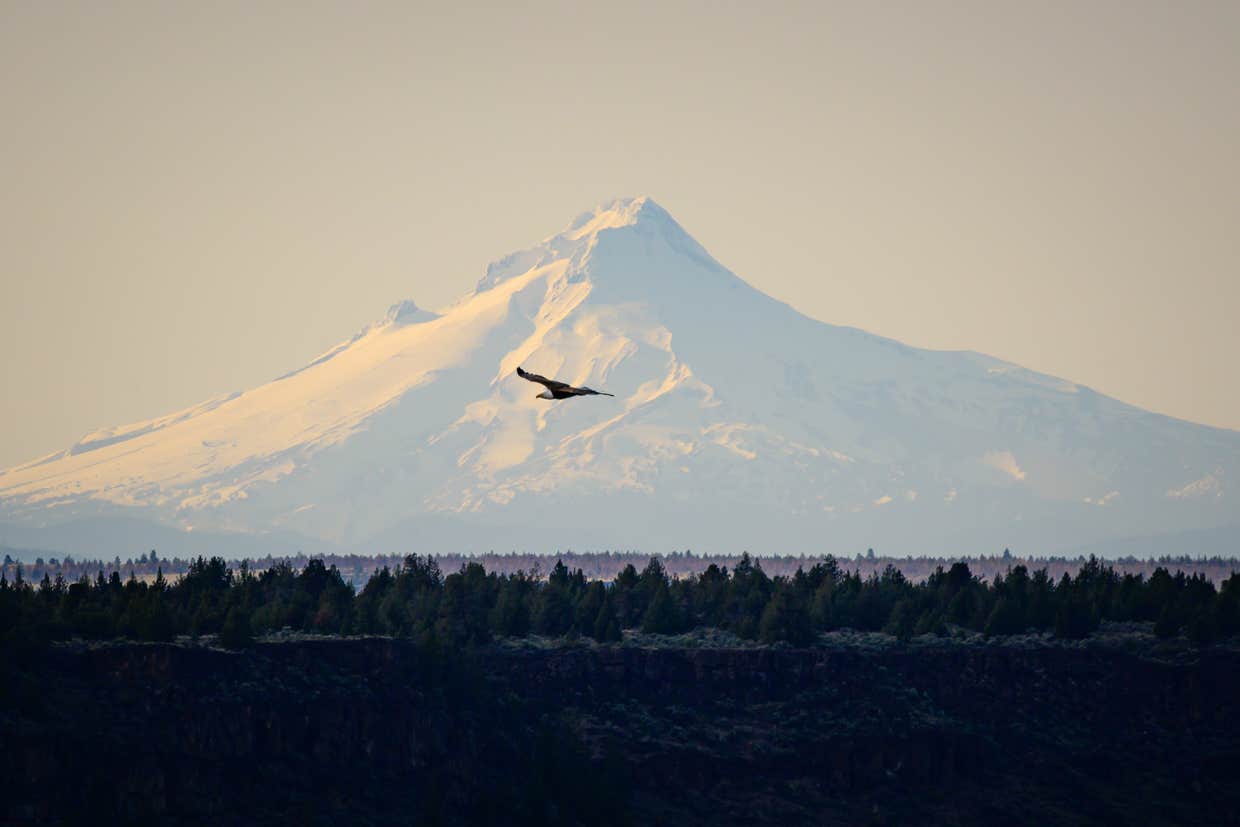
1004	461
1209	485
406	312
1103	500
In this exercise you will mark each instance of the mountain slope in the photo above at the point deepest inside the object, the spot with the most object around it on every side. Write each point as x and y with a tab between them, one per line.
737	423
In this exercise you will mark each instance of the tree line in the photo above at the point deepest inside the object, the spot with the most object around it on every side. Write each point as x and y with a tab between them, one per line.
472	606
604	565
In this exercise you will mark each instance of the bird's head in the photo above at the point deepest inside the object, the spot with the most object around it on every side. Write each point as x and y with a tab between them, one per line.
544	395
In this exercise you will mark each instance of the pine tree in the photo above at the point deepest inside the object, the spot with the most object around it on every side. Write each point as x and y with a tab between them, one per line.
1074	619
510	617
1005	619
553	612
235	633
663	616
158	618
903	621
629	607
589	604
785	618
607	624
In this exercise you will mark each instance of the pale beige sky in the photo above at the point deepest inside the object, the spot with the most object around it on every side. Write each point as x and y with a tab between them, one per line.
200	197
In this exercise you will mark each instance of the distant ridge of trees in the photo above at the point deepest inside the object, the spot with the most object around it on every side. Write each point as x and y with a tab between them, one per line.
605	565
471	606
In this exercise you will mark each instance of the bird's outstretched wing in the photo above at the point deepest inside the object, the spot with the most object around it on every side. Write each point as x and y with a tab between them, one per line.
559	390
550	384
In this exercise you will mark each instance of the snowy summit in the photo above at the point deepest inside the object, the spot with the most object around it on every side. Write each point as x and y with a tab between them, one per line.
738	423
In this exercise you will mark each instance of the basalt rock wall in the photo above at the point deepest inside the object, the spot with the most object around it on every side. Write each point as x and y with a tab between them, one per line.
383	731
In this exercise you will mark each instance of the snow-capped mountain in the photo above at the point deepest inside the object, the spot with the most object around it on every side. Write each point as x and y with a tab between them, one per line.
737	423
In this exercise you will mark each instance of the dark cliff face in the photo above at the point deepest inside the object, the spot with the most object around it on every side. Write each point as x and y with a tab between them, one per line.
381	731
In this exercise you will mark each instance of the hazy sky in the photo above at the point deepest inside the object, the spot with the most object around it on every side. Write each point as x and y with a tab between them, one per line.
196	198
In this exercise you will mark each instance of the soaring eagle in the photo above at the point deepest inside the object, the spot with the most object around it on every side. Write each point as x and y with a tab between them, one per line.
558	390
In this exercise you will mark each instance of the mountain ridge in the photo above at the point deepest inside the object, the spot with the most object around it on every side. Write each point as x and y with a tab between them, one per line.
738	421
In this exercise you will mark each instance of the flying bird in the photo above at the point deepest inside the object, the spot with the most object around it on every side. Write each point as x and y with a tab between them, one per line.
558	390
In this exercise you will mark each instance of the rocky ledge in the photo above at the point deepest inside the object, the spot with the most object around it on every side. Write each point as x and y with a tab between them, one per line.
377	730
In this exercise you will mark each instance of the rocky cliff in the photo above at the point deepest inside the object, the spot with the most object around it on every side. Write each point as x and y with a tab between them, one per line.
382	731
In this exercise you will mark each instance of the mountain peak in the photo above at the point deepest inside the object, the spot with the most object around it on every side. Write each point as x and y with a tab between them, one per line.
406	312
621	212
639	212
737	423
